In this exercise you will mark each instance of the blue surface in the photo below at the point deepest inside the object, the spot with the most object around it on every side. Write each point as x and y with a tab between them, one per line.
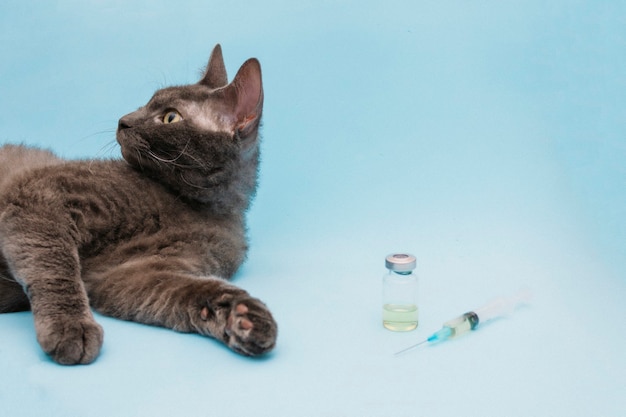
488	138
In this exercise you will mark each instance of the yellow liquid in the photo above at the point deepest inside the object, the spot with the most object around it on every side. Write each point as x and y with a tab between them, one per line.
400	318
459	325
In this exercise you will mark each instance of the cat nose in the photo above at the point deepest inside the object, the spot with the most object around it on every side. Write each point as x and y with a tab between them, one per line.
124	123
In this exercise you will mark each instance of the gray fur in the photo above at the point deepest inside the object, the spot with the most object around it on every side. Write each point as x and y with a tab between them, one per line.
151	238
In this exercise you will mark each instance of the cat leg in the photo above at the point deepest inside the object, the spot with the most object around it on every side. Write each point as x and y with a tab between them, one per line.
45	262
152	291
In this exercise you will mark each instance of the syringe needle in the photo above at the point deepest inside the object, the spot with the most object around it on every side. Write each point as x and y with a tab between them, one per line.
410	348
442	334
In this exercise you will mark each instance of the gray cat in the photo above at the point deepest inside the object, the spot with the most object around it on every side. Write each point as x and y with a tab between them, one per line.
151	238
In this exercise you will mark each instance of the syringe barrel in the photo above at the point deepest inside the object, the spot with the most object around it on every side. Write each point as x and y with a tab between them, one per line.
502	306
496	308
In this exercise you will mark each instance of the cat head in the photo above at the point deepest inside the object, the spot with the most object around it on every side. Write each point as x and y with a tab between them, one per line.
201	140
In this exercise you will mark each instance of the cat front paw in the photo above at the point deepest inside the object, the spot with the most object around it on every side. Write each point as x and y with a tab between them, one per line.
70	341
248	326
251	329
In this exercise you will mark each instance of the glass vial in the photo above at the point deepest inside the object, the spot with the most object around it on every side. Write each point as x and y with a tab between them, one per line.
400	311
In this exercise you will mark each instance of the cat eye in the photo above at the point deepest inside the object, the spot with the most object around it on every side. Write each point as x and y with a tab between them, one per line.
172	116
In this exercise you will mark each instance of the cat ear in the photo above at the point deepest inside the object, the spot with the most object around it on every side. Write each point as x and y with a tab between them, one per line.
244	98
215	74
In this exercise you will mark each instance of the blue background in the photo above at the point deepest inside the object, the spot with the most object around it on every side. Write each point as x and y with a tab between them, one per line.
485	137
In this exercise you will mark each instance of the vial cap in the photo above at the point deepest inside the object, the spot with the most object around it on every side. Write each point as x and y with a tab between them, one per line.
400	262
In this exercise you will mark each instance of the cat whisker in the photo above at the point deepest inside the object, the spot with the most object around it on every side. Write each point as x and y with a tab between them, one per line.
139	159
199	162
163	158
169	161
173	160
183	152
100	132
3	278
106	149
200	187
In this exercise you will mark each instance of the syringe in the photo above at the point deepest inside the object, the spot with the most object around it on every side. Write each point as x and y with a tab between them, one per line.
469	321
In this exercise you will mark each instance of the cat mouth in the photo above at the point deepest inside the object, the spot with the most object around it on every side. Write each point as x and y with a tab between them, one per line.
128	140
132	147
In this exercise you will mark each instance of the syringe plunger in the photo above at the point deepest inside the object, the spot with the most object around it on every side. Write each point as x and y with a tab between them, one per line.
502	306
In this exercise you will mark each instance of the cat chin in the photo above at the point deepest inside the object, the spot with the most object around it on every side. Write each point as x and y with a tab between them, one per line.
129	158
129	145
132	158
